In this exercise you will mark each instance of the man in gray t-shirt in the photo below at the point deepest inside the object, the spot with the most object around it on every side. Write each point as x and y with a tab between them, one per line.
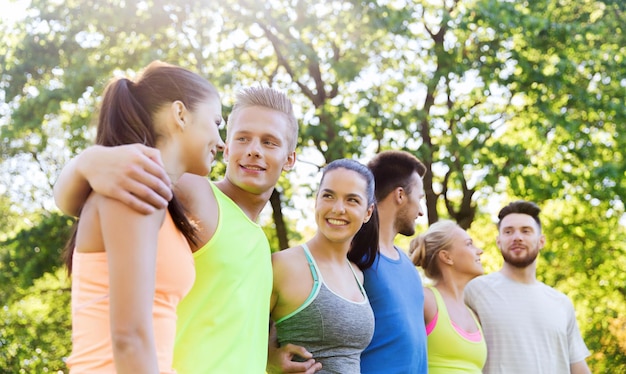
529	327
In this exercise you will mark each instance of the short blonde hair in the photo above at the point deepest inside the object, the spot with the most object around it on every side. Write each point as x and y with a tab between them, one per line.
268	98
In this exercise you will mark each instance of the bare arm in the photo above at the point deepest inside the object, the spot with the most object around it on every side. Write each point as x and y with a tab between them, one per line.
280	359
430	305
579	367
130	241
132	174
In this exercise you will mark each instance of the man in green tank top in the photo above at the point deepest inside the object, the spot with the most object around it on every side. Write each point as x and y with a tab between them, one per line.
223	321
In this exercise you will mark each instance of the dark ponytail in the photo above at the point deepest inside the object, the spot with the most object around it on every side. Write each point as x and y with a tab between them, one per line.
126	117
364	245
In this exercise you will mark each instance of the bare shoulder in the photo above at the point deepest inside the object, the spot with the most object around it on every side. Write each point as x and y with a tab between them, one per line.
287	258
198	199
194	190
289	264
292	281
429	296
89	234
114	210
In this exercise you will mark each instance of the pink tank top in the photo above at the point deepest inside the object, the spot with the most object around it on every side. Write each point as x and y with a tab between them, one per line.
92	351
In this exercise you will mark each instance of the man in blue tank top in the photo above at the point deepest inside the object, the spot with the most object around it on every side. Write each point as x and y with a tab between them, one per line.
393	284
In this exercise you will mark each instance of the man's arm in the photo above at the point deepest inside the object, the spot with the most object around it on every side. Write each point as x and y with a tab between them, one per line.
579	368
132	174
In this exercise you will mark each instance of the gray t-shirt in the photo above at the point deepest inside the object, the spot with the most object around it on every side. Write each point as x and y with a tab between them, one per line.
529	328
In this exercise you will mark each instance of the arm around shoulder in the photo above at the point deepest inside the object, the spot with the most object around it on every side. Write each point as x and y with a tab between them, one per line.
71	188
132	174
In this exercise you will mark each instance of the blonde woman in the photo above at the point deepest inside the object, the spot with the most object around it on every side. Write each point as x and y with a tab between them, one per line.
450	259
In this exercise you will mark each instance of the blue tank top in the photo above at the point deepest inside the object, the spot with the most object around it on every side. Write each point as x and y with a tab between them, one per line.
335	330
394	289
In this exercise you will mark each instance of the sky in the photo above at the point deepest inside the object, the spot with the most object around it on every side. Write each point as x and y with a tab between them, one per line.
12	10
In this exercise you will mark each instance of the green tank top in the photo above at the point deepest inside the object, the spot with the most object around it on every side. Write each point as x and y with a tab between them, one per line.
449	352
223	321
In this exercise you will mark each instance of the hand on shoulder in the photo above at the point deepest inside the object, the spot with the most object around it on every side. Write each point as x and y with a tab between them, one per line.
132	174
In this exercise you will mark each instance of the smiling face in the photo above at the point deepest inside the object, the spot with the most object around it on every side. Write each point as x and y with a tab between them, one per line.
519	239
464	254
201	135
341	205
257	149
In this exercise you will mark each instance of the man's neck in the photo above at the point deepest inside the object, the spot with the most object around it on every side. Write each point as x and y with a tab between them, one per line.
527	275
386	230
386	235
251	204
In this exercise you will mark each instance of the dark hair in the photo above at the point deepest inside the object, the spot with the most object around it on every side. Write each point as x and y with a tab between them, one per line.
127	113
521	207
364	245
394	169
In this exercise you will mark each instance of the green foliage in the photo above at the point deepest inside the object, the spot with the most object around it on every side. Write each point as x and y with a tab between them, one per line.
319	49
31	253
564	81
35	330
295	238
484	232
498	98
8	218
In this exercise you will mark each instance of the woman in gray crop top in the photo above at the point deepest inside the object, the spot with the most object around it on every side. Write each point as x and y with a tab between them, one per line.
318	300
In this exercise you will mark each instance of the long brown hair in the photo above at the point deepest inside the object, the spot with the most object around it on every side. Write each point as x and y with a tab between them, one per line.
126	117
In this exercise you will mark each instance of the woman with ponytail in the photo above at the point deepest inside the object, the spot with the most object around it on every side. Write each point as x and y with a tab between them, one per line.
449	258
129	270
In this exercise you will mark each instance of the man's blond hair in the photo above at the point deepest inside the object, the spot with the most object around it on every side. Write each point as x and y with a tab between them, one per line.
268	98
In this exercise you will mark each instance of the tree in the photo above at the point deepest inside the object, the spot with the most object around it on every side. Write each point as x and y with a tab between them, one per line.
35	332
498	98
32	253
